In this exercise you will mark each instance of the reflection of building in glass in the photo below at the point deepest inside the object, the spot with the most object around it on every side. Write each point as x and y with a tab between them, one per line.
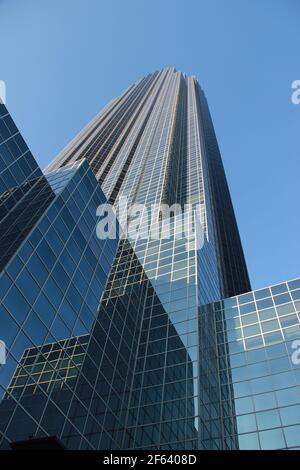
127	344
47	367
102	371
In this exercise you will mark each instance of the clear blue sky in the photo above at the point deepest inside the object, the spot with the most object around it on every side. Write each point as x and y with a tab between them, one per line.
62	61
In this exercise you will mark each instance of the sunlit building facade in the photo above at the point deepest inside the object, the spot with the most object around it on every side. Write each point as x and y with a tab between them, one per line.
258	336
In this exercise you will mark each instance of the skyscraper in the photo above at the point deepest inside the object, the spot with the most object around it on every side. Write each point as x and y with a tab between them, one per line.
125	342
155	144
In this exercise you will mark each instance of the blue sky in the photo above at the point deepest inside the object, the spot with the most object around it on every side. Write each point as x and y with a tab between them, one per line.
63	60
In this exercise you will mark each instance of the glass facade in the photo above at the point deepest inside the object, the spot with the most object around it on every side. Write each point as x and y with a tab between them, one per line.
126	343
53	273
259	360
17	164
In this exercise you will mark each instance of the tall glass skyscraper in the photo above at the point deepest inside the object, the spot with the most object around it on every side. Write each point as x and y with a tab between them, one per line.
127	342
